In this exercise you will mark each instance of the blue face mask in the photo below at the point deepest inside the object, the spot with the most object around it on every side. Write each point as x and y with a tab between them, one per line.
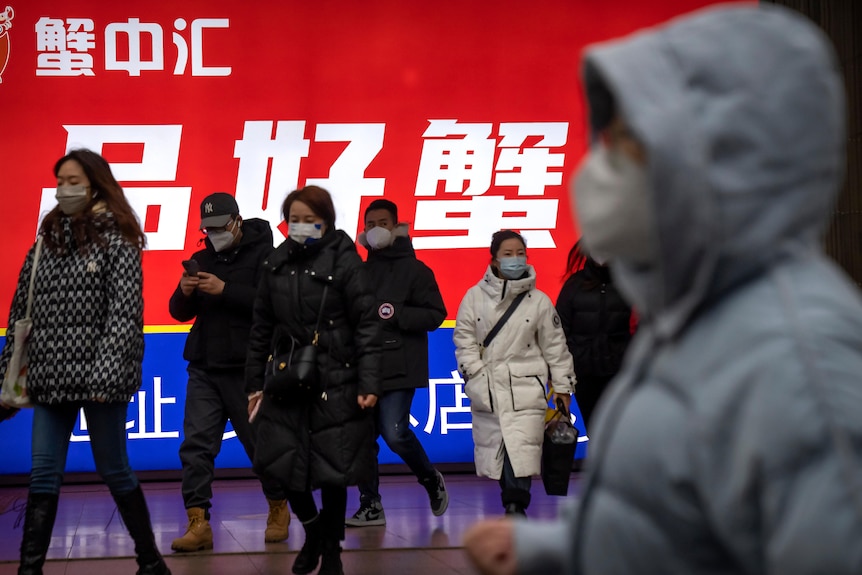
513	267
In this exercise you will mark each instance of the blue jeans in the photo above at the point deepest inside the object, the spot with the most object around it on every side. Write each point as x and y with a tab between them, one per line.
52	430
393	423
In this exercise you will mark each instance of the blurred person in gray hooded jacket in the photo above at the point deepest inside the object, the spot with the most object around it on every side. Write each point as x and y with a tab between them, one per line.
731	441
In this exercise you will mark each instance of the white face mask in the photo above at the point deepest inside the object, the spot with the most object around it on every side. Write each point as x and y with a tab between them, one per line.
301	233
221	240
379	238
613	199
72	199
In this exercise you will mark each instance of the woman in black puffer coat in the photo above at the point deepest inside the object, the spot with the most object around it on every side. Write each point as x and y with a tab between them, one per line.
325	441
597	322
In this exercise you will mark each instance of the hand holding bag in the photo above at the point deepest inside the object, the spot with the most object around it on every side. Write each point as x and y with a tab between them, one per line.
558	451
293	374
14	391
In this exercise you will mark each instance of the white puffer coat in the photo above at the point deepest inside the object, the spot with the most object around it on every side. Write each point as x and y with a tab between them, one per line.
506	382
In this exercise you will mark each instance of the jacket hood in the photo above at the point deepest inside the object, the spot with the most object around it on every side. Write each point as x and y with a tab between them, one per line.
741	112
500	289
401	246
256	231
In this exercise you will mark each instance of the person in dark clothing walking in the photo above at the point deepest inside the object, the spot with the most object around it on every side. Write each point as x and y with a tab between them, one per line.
314	291
597	322
409	305
217	290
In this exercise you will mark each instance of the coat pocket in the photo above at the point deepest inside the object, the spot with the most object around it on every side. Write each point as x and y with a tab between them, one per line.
478	389
393	363
528	390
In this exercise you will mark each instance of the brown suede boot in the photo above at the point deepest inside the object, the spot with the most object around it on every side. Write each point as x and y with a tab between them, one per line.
198	535
277	521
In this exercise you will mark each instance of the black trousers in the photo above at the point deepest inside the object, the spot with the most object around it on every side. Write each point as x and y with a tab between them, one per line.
332	510
213	398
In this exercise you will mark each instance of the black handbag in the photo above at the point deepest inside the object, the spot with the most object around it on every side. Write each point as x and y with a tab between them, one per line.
558	451
293	374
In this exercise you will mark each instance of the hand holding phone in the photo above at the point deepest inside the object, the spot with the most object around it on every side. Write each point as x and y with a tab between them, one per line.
192	267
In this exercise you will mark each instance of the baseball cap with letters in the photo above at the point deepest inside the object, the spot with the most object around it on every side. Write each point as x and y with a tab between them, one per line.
217	210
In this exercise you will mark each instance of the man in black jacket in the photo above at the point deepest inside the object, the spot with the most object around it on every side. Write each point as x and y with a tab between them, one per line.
409	305
217	290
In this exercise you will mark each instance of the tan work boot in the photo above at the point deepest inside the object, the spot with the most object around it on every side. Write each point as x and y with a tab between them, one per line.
198	535
277	521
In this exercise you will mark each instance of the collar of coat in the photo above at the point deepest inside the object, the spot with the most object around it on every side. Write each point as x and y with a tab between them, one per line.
401	230
501	289
291	252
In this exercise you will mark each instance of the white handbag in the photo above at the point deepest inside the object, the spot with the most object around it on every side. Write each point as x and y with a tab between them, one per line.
14	392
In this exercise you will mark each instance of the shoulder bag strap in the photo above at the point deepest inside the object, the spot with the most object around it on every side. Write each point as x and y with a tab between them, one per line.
33	277
502	321
319	315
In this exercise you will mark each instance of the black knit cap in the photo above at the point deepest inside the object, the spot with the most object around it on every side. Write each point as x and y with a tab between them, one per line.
500	237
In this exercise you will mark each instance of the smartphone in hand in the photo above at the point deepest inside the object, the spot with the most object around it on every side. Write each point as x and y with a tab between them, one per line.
192	267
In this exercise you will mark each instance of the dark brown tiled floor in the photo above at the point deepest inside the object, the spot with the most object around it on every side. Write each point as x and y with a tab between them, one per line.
89	538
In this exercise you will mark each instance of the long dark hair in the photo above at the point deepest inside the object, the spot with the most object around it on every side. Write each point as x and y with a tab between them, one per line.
86	227
577	259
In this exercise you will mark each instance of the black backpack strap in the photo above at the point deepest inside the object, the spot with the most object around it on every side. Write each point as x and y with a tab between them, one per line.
502	321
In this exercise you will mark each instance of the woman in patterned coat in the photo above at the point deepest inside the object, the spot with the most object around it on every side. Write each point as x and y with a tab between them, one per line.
85	348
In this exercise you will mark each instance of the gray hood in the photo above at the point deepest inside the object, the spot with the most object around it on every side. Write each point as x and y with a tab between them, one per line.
743	122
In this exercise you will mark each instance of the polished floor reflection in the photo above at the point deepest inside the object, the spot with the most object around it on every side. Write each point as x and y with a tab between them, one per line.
89	538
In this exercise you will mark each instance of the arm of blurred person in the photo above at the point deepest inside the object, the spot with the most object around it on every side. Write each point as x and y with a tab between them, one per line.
183	305
509	547
789	465
424	310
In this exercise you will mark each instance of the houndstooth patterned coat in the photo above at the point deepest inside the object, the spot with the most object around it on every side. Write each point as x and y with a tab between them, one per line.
87	341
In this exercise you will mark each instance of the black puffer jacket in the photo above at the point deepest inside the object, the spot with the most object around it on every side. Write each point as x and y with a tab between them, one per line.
596	320
222	323
322	441
409	305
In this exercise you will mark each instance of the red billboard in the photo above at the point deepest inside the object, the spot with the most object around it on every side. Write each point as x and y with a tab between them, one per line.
465	113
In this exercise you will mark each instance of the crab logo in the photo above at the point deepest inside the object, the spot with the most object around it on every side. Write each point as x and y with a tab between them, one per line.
5	23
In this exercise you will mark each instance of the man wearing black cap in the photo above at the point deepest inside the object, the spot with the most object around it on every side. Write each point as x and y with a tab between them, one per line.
217	290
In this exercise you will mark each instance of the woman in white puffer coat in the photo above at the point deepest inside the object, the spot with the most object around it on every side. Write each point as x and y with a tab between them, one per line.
506	381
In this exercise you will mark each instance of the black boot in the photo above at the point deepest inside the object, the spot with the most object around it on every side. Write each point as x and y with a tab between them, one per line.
38	523
309	555
516	501
133	509
331	563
